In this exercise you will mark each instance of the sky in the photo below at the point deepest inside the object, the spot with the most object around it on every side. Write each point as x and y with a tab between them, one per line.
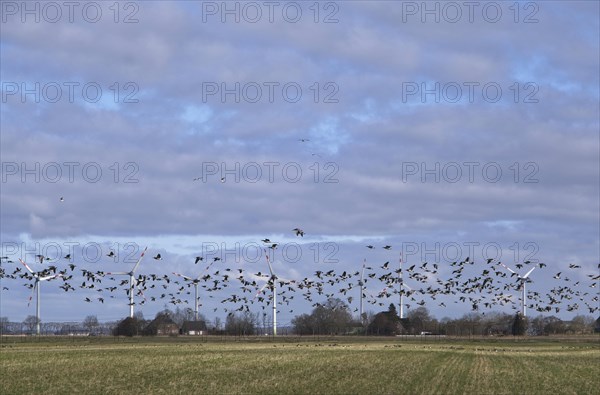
445	130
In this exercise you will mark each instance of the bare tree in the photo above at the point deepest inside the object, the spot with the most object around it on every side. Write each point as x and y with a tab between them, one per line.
139	315
218	324
582	324
243	324
30	322
420	320
333	317
90	323
3	325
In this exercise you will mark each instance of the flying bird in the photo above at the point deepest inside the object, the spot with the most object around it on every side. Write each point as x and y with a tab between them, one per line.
299	232
158	257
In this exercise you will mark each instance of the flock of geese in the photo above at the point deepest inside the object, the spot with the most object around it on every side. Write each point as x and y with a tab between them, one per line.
482	286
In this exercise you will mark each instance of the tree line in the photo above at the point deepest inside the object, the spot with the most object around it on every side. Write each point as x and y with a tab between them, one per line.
334	317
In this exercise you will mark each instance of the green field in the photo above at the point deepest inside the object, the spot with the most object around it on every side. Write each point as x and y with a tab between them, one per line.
299	366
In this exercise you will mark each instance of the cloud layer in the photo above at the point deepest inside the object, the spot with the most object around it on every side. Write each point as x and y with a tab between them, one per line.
415	131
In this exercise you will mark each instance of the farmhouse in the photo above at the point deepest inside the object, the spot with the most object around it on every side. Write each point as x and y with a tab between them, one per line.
162	325
193	328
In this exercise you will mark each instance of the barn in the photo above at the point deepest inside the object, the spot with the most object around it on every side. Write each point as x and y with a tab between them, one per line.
193	328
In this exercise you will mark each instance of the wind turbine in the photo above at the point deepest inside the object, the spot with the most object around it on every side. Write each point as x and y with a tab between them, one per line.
274	279
273	282
196	282
523	280
401	291
36	287
132	280
401	278
361	284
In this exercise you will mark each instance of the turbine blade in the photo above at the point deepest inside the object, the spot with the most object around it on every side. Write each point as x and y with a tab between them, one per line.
182	276
373	298
506	267
139	260
139	289
28	268
285	280
50	277
117	274
269	263
31	296
205	270
528	273
260	290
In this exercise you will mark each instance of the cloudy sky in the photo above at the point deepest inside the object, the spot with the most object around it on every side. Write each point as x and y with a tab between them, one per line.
199	128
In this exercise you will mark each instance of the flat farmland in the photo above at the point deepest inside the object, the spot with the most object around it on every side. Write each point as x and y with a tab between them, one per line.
298	366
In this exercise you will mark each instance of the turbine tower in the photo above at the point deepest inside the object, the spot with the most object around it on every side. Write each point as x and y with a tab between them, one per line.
523	280
401	278
361	284
36	288
132	280
274	279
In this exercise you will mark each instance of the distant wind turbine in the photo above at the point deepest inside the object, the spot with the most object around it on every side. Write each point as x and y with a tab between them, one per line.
523	280
36	288
402	292
132	280
273	282
196	282
361	284
401	279
274	279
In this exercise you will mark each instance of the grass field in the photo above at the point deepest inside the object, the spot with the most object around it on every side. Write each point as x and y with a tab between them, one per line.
298	366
